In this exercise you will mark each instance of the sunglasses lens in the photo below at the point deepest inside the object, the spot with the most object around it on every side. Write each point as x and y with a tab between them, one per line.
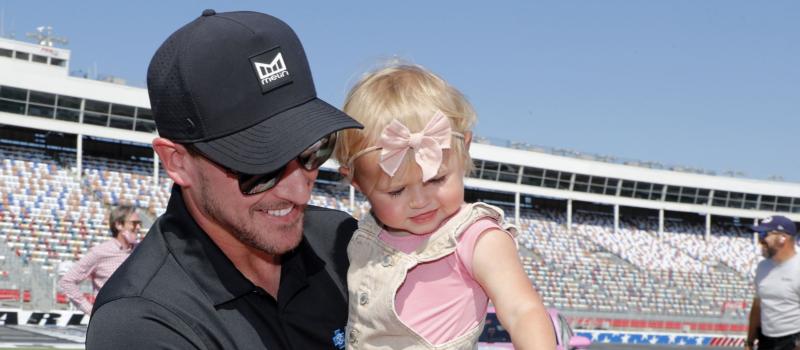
311	159
316	155
254	184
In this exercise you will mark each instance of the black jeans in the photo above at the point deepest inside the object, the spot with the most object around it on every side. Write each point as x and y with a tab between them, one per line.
786	342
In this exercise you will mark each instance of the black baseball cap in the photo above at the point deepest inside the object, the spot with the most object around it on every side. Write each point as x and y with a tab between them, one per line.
237	86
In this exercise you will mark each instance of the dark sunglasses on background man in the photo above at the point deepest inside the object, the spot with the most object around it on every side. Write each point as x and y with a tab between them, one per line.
310	159
762	235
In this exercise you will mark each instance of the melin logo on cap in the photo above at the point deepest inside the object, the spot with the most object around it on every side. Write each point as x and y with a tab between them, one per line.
271	70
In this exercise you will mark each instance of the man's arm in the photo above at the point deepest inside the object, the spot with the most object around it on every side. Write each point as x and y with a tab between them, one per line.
755	323
137	323
79	272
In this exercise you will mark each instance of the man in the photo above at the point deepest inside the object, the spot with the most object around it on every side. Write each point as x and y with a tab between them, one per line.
238	260
775	314
103	259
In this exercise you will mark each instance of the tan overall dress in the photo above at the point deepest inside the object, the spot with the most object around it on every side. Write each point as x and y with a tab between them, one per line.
377	270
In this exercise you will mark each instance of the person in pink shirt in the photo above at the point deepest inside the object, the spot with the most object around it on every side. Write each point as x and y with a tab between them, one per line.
103	259
423	264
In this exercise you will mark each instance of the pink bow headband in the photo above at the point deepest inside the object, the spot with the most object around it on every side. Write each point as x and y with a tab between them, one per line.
427	145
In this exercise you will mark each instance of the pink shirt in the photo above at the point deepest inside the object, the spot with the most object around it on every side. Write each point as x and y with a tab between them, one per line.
441	300
98	264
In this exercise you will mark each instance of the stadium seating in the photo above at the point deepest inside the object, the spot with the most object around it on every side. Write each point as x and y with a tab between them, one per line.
49	214
631	271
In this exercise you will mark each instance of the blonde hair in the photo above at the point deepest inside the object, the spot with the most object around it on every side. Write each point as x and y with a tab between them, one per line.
412	95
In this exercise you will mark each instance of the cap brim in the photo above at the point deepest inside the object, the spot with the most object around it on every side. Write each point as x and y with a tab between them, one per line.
764	230
274	142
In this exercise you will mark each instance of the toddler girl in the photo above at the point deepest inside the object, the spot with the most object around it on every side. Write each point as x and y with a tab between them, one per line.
423	264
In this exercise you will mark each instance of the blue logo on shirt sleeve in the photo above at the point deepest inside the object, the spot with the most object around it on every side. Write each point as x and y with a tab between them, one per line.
338	338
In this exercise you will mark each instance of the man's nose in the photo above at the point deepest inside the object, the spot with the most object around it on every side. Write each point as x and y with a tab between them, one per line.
296	184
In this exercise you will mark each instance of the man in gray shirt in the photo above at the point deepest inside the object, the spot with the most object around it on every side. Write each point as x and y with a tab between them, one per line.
775	315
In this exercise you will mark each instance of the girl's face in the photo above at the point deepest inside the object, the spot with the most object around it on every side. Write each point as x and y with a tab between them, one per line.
403	203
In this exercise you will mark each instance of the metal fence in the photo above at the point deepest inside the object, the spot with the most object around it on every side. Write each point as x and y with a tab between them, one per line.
28	278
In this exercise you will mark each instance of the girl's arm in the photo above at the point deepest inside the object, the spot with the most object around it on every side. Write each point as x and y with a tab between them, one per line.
497	268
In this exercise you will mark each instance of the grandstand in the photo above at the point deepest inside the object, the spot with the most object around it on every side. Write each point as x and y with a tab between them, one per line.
612	245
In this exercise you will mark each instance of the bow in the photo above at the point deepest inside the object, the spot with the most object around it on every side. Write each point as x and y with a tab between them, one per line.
427	145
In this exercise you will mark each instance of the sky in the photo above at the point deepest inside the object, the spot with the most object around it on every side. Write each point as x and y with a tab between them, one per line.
709	84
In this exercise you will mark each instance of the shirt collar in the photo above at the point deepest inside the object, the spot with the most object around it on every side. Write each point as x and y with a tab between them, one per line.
211	269
119	246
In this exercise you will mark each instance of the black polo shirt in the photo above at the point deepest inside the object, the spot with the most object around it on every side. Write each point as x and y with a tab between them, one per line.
178	290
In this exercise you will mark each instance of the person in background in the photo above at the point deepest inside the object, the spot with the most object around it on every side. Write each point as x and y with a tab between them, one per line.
103	259
775	314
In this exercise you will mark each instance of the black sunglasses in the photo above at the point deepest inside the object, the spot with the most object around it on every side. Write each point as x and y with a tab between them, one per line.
310	159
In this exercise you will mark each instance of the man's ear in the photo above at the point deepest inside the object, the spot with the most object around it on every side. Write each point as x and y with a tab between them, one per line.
175	159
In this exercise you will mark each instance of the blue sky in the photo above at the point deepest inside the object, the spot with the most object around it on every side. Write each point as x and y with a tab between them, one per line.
706	84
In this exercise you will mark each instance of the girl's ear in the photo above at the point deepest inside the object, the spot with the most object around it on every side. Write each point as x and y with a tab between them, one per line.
344	171
348	174
467	140
354	183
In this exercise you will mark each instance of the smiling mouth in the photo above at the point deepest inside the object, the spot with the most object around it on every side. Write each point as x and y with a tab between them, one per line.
424	216
280	212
